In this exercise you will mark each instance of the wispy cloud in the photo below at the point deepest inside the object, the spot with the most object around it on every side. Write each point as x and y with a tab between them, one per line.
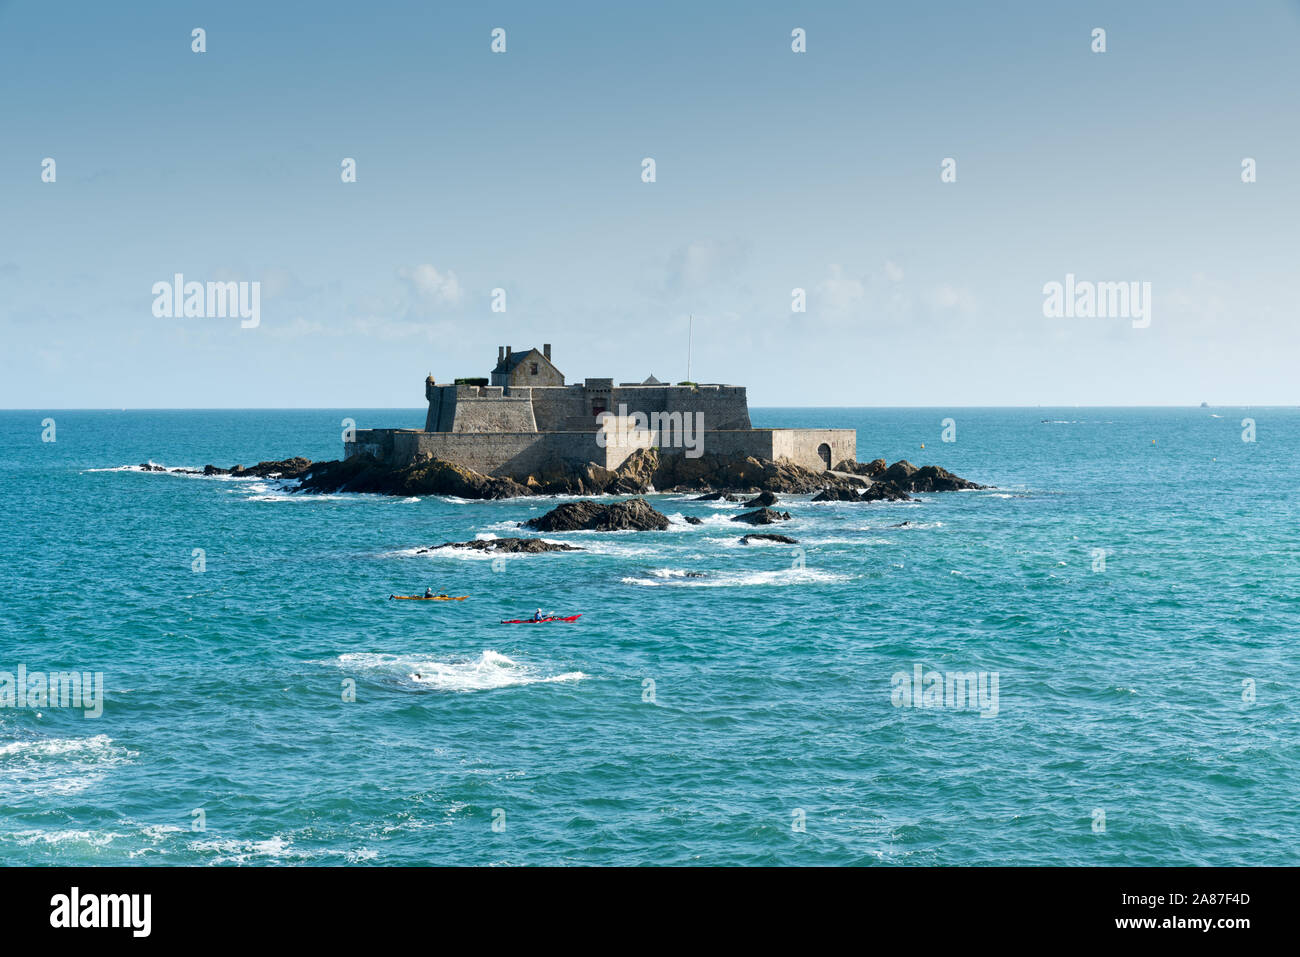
429	287
704	263
839	292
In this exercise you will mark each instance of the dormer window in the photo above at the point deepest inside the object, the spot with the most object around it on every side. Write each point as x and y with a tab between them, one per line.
532	368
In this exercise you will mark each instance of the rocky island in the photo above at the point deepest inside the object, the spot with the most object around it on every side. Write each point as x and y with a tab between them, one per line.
528	433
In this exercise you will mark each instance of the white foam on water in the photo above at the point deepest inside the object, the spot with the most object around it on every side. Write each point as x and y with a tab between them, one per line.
236	851
276	848
467	554
505	526
470	554
780	577
488	671
47	746
297	498
159	832
843	541
58	765
192	472
723	520
412	552
616	549
91	838
670	573
281	490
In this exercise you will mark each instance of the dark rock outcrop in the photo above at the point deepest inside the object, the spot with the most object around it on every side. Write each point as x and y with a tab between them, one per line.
932	478
719	476
907	477
765	537
572	479
879	491
900	473
632	514
692	520
285	468
928	478
427	477
762	516
527	546
739	473
838	495
884	492
636	475
870	469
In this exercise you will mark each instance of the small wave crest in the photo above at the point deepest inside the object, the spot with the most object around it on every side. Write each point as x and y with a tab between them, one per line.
488	671
58	765
780	577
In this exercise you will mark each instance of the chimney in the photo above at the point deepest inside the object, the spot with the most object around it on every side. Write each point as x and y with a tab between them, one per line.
546	350
501	354
507	352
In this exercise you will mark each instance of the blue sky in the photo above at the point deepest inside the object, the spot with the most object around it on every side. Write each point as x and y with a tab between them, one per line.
775	170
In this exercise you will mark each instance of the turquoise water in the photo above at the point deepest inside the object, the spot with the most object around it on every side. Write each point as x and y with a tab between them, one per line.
1120	690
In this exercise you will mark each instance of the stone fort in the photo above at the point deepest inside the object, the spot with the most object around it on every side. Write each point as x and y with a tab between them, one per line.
526	420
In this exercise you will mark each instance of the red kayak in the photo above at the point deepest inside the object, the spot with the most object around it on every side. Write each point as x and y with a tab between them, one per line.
538	621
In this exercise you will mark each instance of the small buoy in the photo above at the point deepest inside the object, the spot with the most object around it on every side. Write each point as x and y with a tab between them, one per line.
922	445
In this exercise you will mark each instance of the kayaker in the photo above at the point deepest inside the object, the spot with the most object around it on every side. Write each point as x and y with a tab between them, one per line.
428	593
537	615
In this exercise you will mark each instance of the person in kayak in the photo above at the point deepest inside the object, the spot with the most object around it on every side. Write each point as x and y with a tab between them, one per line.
537	615
428	593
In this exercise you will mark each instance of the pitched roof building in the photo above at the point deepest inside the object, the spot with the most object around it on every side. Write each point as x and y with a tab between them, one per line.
526	368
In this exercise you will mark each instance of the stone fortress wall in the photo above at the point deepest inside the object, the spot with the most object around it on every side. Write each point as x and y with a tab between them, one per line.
574	408
528	421
519	454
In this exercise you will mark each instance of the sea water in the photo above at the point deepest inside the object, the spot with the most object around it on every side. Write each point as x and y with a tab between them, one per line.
1132	584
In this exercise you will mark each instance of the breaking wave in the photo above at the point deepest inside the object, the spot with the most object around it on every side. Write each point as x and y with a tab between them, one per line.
58	765
488	671
780	577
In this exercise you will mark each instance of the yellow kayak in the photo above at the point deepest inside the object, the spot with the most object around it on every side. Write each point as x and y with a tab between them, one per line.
434	598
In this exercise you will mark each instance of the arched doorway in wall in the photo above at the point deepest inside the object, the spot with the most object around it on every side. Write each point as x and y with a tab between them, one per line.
824	451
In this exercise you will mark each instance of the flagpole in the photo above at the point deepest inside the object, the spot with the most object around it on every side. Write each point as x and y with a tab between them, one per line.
690	334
